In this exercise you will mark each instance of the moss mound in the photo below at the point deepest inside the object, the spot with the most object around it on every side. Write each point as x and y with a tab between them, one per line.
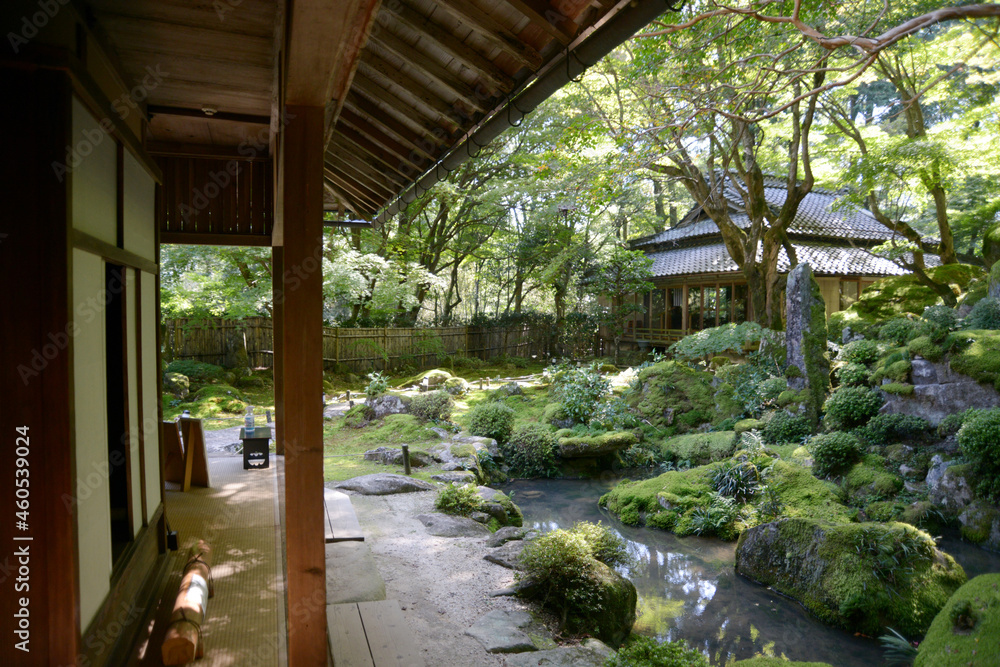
965	632
699	448
672	394
597	445
868	481
976	353
860	577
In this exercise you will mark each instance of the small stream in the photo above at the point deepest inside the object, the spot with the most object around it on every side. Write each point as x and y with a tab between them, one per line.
689	590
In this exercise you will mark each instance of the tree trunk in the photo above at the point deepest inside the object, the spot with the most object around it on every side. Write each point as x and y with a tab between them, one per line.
947	252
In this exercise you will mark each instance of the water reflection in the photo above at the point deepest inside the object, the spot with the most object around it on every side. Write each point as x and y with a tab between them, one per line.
689	590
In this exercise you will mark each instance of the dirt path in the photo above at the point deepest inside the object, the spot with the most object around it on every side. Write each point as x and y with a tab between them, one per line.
442	583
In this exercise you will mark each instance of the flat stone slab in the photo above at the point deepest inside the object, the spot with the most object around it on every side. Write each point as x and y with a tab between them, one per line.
383	484
456	477
591	653
351	574
508	555
500	632
446	525
504	535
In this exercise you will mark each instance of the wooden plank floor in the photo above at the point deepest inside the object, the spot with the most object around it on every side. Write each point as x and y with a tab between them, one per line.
371	634
341	521
238	516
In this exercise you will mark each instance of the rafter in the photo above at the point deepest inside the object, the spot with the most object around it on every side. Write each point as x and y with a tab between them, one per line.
402	107
375	66
492	31
549	19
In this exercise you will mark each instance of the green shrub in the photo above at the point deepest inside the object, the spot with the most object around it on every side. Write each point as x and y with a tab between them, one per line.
580	391
944	317
717	340
197	371
462	361
492	420
953	422
979	439
530	451
851	407
834	452
378	384
897	331
862	351
614	414
736	479
852	374
359	416
605	544
747	381
784	427
642	651
984	315
925	347
885	429
461	500
771	388
432	406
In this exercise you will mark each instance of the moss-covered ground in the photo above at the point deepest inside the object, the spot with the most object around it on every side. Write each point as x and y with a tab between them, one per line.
763	661
966	632
699	448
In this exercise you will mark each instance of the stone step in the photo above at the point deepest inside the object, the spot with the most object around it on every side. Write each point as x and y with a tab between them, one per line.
341	521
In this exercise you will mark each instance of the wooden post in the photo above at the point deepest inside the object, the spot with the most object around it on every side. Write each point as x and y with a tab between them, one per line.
336	346
278	346
406	459
302	195
385	346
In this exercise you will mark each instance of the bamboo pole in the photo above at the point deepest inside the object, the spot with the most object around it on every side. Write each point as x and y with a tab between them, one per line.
182	643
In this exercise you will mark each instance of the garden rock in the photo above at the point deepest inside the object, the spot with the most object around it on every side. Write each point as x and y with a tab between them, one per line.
591	447
386	404
981	525
456	477
445	525
456	386
589	653
393	456
507	555
436	377
947	486
442	433
805	337
383	484
504	535
832	571
177	384
500	632
938	392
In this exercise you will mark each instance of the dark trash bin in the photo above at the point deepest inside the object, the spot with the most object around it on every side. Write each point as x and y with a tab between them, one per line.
256	454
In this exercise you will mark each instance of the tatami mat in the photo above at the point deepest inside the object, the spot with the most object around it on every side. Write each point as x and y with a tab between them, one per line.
238	516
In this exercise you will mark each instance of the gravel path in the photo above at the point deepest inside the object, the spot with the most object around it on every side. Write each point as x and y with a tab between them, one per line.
442	583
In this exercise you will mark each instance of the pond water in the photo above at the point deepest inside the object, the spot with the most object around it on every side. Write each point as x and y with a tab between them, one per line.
689	590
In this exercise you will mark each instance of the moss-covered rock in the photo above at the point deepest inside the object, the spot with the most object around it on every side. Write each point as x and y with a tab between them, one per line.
597	445
923	346
976	353
177	384
744	425
898	388
699	448
555	414
672	394
763	661
965	631
866	482
981	524
860	577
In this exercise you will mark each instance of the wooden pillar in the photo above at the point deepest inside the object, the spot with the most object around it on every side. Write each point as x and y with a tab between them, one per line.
278	346
302	368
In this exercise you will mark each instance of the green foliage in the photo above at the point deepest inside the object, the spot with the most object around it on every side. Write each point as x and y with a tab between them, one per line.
196	371
461	500
491	420
614	414
944	317
698	448
925	347
979	439
899	388
378	384
737	479
984	315
580	390
897	331
851	407
784	427
898	295
861	351
976	354
898	651
605	544
530	451
432	406
358	416
885	429
669	393
752	382
642	651
834	452
729	338
852	374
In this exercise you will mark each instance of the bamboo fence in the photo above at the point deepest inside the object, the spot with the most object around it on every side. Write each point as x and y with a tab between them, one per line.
250	341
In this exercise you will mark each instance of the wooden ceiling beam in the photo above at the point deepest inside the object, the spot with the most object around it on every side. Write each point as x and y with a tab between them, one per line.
374	66
382	179
398	163
359	193
358	178
546	17
375	114
424	64
403	108
374	133
256	119
492	31
490	76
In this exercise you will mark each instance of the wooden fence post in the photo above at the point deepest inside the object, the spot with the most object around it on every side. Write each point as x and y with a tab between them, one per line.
336	346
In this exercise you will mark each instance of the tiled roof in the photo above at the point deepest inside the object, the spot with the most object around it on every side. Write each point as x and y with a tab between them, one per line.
814	218
824	259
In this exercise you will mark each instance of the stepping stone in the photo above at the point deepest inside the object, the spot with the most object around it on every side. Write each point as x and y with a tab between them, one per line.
456	476
445	525
591	653
505	534
351	574
500	632
384	484
508	555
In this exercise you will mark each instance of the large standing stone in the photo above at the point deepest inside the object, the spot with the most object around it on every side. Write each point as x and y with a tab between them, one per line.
386	404
805	337
994	284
